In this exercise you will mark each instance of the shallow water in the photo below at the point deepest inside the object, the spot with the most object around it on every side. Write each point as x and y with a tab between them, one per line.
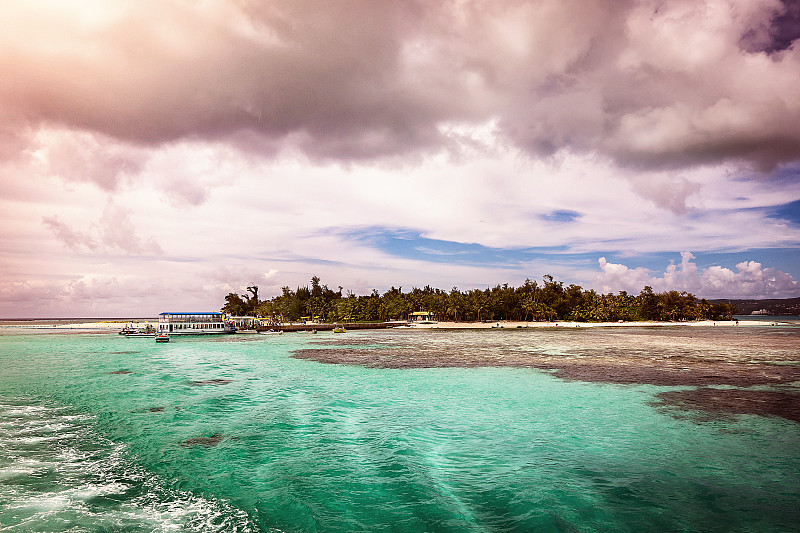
236	433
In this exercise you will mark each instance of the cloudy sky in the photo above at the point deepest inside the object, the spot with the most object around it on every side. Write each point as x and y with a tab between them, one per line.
158	154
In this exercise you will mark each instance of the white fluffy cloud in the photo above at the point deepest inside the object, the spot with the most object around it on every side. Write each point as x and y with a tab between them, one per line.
750	280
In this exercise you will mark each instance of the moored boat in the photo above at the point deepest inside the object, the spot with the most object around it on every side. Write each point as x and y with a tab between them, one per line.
339	329
162	337
130	331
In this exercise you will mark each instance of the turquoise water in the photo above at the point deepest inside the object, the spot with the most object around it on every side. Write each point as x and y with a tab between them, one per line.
96	434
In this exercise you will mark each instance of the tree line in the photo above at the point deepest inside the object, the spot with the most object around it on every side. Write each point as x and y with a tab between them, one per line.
532	301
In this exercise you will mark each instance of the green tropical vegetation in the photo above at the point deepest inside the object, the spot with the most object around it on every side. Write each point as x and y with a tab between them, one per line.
533	301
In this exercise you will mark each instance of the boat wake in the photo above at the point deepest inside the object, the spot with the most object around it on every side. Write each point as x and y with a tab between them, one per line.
58	474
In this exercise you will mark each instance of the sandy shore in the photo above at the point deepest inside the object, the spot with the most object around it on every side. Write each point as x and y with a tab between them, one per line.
117	324
523	325
101	325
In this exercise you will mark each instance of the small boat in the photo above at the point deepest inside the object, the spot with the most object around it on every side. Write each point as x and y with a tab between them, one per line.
130	331
271	332
162	337
339	329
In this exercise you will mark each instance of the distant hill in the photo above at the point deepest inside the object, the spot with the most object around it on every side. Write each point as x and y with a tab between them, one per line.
782	306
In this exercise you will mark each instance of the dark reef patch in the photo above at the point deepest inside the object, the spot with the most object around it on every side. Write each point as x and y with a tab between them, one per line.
211	382
206	442
121	372
637	368
676	371
349	341
734	401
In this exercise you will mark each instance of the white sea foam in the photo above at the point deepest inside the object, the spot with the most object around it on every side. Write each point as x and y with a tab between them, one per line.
87	482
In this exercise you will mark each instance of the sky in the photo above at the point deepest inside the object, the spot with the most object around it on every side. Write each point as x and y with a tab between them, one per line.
156	155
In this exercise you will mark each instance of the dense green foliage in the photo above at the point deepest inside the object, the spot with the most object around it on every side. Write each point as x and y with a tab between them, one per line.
549	300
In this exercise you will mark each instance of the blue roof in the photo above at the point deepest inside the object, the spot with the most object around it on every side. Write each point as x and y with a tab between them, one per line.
189	314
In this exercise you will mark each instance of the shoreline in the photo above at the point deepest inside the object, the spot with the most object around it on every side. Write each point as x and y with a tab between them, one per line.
115	325
567	324
740	321
78	324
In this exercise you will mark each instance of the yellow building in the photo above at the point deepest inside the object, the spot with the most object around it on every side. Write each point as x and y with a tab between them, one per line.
422	317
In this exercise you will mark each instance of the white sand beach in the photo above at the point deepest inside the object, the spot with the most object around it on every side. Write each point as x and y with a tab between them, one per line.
565	324
114	325
110	325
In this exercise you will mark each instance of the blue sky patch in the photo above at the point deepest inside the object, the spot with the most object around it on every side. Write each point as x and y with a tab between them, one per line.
789	212
561	215
410	244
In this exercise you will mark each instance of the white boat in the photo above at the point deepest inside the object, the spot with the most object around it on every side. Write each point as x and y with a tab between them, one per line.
193	324
130	331
271	332
162	337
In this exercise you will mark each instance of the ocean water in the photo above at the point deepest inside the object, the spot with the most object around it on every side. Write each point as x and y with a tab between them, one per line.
236	433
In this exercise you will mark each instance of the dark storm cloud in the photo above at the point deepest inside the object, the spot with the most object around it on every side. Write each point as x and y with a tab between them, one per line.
648	83
779	33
